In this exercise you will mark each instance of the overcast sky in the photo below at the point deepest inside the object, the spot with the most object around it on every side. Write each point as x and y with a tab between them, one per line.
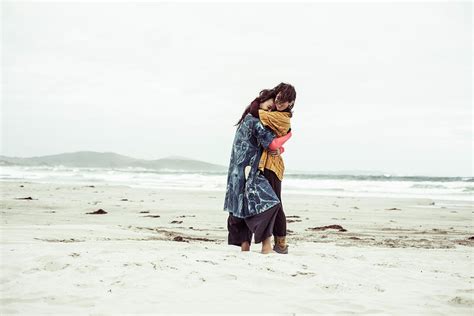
380	86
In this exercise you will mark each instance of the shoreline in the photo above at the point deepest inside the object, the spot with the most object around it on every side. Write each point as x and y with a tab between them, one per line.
445	188
324	193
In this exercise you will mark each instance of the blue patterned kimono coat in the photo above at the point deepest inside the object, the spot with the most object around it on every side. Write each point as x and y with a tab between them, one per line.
254	195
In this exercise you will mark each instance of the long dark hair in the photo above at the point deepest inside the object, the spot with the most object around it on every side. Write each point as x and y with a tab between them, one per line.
287	93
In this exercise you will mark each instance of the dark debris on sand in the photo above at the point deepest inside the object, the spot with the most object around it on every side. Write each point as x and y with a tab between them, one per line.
179	238
176	222
98	212
338	227
174	236
466	242
293	220
25	198
154	216
201	239
187	239
60	240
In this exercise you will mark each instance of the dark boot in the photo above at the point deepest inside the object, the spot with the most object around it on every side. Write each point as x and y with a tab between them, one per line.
280	245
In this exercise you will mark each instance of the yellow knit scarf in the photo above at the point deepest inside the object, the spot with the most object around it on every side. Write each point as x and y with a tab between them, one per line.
278	122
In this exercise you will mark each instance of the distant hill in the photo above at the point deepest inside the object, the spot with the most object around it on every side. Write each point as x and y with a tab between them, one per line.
91	159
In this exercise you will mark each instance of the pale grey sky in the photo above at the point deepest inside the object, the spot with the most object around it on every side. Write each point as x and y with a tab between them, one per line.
380	86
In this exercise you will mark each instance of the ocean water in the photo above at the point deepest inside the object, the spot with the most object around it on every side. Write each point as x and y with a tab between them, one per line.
438	188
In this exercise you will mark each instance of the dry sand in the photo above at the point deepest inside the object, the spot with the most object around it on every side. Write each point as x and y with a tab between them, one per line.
159	251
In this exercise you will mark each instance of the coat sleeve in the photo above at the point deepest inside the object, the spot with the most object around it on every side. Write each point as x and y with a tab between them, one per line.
278	142
264	135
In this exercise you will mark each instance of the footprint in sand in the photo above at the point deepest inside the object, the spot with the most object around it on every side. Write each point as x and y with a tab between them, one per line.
301	273
34	270
207	261
229	277
463	301
55	266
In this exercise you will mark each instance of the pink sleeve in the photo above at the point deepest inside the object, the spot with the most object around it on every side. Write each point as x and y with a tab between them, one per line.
278	142
282	150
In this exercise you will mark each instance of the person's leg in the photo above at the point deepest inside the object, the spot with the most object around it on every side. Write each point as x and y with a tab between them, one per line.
261	225
280	222
279	229
267	246
239	233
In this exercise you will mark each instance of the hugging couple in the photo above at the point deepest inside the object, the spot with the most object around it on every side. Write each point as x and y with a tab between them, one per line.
253	194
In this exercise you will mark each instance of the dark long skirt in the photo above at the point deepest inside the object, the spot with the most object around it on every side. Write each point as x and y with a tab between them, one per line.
260	225
279	229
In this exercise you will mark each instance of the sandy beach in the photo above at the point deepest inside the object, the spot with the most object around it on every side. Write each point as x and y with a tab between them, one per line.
165	251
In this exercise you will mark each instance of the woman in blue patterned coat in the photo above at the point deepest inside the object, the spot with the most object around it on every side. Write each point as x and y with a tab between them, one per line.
250	199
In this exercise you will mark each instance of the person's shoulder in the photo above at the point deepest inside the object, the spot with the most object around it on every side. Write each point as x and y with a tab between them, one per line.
250	118
249	122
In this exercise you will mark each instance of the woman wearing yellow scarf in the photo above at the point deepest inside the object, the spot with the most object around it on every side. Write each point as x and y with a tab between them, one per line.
256	168
271	163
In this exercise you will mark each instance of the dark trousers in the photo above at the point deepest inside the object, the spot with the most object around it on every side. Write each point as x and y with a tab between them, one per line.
263	225
279	229
260	225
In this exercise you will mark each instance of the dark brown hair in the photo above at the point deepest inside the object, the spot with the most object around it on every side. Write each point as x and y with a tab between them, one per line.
287	93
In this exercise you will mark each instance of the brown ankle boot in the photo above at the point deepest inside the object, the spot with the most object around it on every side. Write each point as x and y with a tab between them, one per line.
280	245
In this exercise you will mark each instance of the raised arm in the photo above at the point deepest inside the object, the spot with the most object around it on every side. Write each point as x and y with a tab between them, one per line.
264	135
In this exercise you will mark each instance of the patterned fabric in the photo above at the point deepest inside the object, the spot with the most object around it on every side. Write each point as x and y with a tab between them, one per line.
251	195
279	122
